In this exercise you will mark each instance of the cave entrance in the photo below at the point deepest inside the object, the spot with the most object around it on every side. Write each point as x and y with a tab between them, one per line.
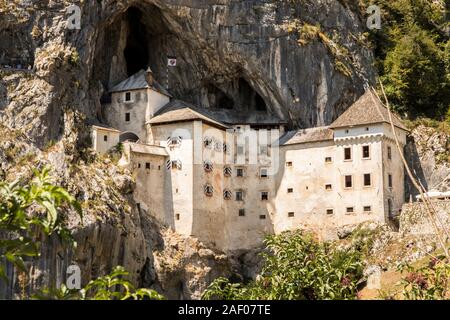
249	98
136	52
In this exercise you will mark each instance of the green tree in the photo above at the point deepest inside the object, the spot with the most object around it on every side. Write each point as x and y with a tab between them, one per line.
297	267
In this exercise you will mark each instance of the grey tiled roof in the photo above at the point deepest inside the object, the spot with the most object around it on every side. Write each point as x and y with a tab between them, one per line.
366	110
137	82
307	135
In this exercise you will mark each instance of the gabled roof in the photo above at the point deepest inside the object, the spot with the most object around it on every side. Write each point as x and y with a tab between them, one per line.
368	109
307	135
178	110
138	81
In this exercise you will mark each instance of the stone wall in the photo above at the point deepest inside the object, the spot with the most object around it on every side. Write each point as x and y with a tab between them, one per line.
414	218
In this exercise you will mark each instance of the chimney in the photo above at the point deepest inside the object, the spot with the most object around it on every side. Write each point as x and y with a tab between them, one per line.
149	77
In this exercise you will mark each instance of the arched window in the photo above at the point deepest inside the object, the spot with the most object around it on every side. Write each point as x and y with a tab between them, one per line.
208	166
174	164
209	190
227	195
208	142
174	141
227	171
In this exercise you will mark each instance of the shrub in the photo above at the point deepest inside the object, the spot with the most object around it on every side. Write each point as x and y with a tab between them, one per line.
297	267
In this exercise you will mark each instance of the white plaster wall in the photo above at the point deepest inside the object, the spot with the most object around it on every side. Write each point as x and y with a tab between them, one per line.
144	103
98	143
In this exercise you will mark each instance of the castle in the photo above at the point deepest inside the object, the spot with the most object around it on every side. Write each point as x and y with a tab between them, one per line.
229	180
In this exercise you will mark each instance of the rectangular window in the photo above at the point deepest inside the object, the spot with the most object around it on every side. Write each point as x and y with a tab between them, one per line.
289	164
263	173
367	180
264	196
262	217
366	152
239	196
348	181
241	212
291	214
330	211
390	180
128	96
350	210
389	152
367	209
105	138
347	153
177	216
127	117
239	172
147	165
328	160
290	190
328	187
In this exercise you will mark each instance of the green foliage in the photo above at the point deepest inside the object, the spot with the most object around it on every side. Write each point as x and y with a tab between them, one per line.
413	56
297	267
430	282
28	211
110	287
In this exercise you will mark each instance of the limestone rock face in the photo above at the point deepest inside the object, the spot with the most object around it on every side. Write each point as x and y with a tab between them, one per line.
428	153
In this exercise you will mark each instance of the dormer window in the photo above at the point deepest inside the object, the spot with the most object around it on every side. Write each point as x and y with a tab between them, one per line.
127	96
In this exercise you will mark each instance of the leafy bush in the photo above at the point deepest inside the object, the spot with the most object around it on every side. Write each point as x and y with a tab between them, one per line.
430	282
28	211
109	287
297	267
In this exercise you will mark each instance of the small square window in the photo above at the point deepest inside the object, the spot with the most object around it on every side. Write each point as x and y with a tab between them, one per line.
239	196
147	165
367	209
263	173
366	152
239	172
328	159
330	211
348	181
241	212
262	217
328	187
349	210
105	138
291	214
347	153
367	128
367	180
177	216
289	164
347	131
127	117
290	190
264	196
128	96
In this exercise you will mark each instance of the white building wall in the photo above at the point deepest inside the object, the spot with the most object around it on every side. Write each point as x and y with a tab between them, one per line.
98	139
